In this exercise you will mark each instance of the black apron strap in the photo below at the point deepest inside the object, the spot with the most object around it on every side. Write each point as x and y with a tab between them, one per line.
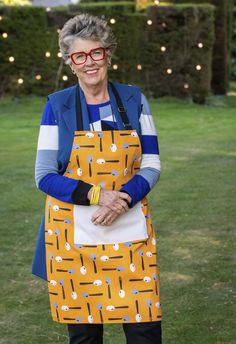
121	108
79	119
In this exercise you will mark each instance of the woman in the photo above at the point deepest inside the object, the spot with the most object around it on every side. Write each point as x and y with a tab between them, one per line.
97	159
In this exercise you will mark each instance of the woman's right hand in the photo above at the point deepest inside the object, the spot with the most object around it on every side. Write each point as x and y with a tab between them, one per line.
114	200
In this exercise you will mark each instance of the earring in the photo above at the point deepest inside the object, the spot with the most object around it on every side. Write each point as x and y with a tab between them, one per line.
73	71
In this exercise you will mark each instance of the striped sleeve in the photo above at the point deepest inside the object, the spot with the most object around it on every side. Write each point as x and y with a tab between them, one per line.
149	173
47	177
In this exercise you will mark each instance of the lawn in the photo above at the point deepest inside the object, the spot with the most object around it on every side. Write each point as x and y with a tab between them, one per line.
193	207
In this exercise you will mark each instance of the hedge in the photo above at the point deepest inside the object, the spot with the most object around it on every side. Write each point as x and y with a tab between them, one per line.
222	48
140	61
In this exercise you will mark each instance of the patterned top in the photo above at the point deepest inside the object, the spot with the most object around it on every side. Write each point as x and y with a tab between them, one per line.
101	118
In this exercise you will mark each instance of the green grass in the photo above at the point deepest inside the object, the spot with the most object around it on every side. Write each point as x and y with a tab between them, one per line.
193	207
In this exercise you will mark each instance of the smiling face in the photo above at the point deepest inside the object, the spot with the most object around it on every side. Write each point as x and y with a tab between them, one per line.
90	73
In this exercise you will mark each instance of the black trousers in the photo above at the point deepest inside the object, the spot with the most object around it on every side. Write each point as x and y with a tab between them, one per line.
135	333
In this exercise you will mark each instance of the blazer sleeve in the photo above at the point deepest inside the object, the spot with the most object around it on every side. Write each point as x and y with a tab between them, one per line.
47	176
141	184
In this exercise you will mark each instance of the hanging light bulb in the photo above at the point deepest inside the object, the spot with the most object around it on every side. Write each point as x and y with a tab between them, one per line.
112	21
11	59
20	81
149	22
186	86
48	9
115	66
139	67
47	54
38	77
163	48
156	2
198	67
59	54
200	45
65	78
4	35
169	71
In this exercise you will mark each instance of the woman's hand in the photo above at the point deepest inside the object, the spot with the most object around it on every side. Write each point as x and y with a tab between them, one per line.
104	216
115	200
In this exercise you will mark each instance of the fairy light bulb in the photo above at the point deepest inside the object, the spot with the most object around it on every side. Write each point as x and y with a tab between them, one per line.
169	71
200	45
115	66
139	67
48	9
149	22
11	59
65	78
4	35
20	81
0	17
59	54
163	49
38	77
186	86
47	54
112	21
156	2
198	67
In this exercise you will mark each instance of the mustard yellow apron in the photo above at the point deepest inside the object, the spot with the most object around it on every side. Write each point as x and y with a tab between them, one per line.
102	274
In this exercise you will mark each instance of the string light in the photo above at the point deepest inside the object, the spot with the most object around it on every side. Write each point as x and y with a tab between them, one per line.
4	35
156	2
139	67
0	17
65	77
186	86
20	81
200	45
163	48
112	21
149	22
59	54
11	59
169	71
115	66
198	67
163	24
47	54
38	77
48	9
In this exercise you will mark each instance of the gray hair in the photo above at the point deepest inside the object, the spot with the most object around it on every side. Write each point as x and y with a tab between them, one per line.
85	26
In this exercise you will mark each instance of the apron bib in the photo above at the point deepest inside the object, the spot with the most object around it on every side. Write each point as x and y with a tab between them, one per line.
102	274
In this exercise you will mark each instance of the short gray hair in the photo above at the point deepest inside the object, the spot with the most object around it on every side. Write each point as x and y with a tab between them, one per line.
85	26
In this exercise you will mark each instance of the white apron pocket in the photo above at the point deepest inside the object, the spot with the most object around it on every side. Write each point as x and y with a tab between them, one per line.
129	226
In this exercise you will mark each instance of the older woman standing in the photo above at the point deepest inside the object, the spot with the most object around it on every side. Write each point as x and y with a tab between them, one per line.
97	159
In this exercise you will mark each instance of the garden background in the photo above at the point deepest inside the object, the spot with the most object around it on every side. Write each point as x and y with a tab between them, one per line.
183	56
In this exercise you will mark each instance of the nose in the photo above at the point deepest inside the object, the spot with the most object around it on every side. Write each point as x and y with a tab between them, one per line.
89	61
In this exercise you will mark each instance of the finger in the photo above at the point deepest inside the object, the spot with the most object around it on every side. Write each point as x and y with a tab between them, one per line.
125	196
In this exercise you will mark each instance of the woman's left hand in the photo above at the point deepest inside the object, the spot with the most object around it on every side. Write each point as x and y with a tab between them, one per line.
104	216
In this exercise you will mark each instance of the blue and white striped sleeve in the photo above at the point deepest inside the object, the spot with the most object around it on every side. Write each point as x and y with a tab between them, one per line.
47	177
149	173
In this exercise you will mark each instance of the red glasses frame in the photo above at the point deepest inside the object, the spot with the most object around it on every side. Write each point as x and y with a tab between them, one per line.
72	56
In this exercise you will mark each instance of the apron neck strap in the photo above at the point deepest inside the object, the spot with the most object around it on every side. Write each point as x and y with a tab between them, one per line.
121	109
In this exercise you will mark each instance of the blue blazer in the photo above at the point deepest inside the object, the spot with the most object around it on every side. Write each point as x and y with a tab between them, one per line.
64	108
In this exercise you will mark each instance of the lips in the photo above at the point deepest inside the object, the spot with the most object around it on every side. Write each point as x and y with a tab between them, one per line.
91	71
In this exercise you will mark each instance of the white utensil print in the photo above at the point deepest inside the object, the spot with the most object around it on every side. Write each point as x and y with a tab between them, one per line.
135	291
140	252
126	164
125	318
121	291
57	208
78	319
83	269
67	245
70	271
55	305
51	259
59	259
146	279
66	308
113	146
102	161
57	239
85	295
115	247
77	147
131	266
49	213
154	276
79	170
90	317
113	173
111	308
137	316
118	268
126	145
96	283
52	283
73	294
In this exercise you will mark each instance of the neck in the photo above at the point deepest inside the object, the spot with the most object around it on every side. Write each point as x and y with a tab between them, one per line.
95	94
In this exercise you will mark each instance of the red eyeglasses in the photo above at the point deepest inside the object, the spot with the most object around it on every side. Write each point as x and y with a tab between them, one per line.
80	57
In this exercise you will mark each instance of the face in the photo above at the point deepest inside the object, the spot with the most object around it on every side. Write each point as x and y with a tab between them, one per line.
90	73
